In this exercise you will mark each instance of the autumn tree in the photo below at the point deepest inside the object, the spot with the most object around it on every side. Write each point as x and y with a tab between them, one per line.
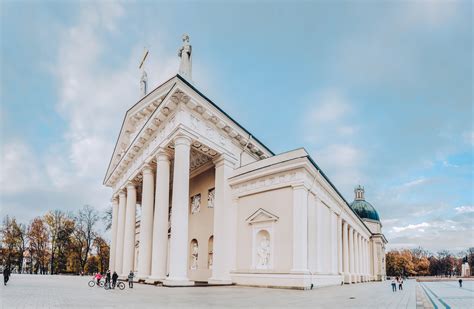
39	240
84	233
60	228
103	253
14	242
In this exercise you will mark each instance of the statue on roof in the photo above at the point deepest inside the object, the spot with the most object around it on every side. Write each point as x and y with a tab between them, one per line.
185	66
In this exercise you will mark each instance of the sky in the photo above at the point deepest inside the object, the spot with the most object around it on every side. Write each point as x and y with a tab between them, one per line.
379	93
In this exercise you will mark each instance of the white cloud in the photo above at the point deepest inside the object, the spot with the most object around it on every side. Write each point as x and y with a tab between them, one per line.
19	168
411	227
464	209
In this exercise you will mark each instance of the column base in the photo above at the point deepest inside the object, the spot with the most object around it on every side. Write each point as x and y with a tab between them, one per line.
219	281
142	277
347	278
154	280
178	282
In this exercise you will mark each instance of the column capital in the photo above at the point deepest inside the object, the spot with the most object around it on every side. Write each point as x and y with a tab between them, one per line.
224	159
115	199
147	169
162	155
182	140
131	185
122	192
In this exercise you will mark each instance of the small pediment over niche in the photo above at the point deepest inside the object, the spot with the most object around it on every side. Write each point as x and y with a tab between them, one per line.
261	215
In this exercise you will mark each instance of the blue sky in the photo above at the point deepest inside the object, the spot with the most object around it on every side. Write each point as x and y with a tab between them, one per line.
380	93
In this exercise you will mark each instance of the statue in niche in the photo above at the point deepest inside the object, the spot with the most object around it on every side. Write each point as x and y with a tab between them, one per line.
263	252
185	66
194	256
196	203
210	260
210	198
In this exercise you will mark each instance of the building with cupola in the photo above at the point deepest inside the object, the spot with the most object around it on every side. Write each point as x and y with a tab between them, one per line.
218	206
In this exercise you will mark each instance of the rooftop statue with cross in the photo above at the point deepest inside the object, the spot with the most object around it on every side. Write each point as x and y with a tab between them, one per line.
144	78
185	66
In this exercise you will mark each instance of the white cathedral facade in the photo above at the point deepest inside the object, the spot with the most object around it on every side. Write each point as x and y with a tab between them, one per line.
218	206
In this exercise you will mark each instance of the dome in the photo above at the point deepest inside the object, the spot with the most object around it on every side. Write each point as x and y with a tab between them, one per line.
363	208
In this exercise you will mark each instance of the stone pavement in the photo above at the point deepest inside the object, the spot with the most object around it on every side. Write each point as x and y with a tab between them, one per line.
448	294
36	291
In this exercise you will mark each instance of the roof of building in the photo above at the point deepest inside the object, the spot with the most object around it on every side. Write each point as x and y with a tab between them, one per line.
365	210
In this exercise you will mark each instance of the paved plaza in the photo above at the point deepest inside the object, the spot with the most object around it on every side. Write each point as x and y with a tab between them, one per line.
34	291
448	294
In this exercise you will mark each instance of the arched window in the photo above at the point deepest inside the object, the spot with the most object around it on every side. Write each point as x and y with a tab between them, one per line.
210	249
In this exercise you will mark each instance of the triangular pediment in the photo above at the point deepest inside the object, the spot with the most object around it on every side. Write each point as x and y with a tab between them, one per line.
261	215
157	109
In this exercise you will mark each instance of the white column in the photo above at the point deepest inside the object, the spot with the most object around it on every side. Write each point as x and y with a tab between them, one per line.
333	240
130	222
222	250
120	232
357	256
366	251
319	236
179	245
351	255
345	250
160	220
146	224
300	229
113	243
359	270
339	246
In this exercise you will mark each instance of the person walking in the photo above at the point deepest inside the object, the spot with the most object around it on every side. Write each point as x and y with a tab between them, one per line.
400	284
114	279
130	279
460	282
107	278
394	285
6	275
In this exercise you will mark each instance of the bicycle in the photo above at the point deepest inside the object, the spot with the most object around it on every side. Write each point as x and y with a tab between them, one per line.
93	282
121	285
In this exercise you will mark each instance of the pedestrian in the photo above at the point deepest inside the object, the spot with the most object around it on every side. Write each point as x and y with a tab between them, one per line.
394	285
6	275
130	279
114	279
460	282
107	278
400	283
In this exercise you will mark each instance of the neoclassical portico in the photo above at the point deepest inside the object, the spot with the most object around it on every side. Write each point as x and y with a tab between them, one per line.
196	197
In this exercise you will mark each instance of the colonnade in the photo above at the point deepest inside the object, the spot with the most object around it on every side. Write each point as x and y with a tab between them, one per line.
153	246
356	255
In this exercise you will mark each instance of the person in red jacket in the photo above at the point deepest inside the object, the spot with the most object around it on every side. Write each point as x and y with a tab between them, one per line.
98	276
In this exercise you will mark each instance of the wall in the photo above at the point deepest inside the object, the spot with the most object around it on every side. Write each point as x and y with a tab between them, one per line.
201	224
279	203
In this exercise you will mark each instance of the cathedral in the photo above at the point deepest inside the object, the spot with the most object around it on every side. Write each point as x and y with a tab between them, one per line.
216	206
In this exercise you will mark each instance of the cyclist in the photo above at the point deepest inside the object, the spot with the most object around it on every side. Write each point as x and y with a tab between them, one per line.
107	278
114	279
98	276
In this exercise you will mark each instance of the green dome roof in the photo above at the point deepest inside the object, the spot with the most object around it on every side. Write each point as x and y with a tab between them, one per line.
365	210
362	207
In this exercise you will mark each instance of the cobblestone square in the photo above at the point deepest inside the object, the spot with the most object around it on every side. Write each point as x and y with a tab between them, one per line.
35	291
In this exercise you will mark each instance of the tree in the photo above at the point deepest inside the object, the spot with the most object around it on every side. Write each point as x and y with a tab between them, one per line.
84	233
107	218
103	253
60	228
39	240
11	240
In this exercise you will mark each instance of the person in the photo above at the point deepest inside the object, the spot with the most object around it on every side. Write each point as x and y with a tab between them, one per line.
130	279
400	284
98	276
460	282
6	275
107	278
114	279
394	285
